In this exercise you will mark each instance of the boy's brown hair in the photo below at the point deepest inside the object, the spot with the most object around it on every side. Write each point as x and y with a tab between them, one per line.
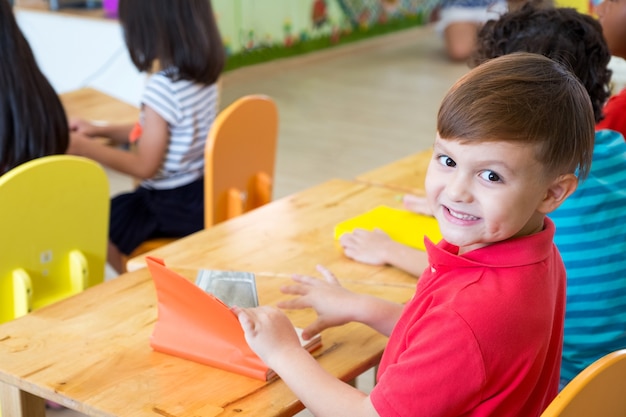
526	98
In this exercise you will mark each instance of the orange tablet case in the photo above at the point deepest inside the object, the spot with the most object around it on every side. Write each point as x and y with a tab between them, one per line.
195	325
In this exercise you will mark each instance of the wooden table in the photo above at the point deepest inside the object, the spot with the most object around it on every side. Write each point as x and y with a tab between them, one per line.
91	353
94	105
405	175
287	236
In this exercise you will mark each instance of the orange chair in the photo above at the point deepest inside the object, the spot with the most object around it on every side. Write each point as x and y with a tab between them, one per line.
240	155
599	390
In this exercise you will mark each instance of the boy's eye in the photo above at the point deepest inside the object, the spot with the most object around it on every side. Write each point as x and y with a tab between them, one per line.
446	161
490	176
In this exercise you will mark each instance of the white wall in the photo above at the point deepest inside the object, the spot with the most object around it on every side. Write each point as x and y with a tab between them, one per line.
75	52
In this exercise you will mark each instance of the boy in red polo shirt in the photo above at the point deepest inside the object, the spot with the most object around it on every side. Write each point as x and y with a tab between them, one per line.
482	336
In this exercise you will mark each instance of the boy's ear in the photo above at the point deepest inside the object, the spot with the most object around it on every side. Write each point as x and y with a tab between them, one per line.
561	188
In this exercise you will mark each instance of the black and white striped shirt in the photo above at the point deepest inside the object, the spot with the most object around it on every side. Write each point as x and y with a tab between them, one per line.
189	108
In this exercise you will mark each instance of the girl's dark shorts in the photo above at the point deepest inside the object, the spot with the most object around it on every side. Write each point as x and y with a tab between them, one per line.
145	214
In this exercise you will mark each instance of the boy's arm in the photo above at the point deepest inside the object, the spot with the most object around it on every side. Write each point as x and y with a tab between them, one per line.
270	334
377	248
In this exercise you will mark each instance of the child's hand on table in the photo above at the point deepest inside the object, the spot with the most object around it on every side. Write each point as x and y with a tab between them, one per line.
369	247
269	332
376	247
332	302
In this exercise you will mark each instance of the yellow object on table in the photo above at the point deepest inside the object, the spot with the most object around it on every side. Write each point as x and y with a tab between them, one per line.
401	225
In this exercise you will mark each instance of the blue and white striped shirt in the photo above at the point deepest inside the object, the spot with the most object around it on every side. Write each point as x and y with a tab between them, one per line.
189	108
591	237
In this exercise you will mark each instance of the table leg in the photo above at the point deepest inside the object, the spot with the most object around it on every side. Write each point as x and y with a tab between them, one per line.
17	403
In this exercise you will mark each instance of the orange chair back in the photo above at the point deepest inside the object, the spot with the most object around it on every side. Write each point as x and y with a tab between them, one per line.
599	390
240	156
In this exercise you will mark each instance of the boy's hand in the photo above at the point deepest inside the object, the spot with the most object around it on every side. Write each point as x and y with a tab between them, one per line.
328	298
416	204
269	332
367	247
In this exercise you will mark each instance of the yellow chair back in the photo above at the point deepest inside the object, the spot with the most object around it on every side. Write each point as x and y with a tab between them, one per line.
54	217
599	390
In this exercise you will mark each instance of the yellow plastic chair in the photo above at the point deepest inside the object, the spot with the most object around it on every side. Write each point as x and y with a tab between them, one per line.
599	390
240	156
54	219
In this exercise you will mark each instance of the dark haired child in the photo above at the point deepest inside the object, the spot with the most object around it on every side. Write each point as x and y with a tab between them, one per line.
32	119
178	106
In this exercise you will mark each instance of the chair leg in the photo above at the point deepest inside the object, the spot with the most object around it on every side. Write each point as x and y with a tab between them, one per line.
235	201
260	191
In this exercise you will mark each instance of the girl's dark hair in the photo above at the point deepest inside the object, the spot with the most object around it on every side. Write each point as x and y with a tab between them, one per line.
562	34
528	99
179	36
32	119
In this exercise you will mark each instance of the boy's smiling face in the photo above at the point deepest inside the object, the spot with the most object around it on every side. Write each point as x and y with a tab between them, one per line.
484	192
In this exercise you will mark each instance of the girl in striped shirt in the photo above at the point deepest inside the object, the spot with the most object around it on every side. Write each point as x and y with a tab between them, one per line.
178	106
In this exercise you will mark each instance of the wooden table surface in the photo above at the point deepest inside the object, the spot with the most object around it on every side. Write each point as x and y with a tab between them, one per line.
91	353
405	175
287	236
90	104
